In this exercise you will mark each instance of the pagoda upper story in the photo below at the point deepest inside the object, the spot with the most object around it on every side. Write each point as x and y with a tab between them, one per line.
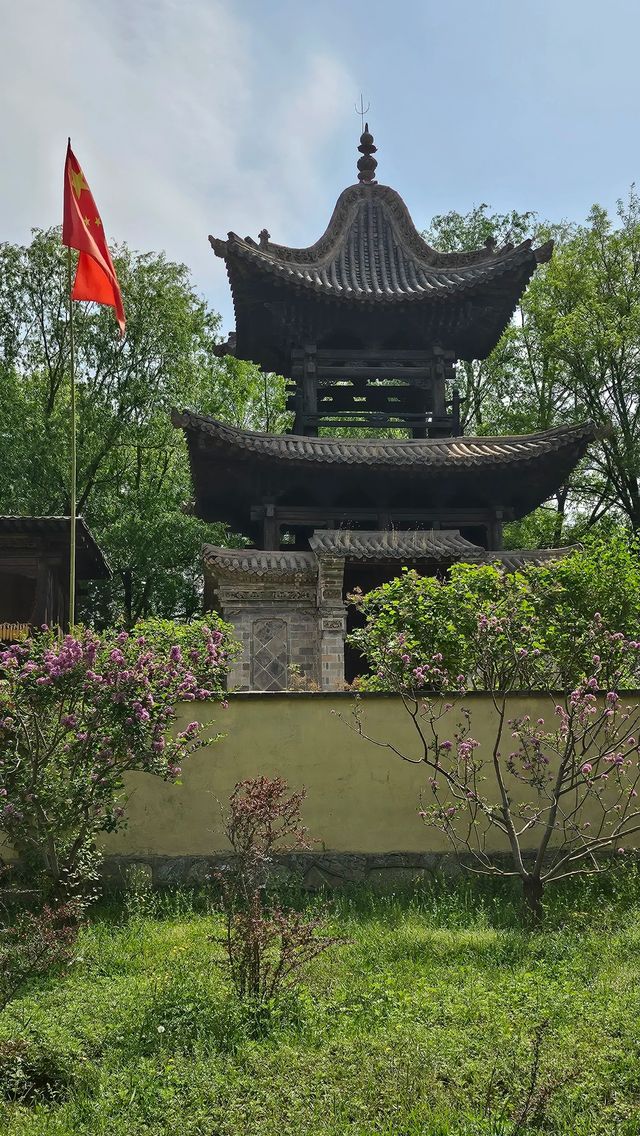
368	322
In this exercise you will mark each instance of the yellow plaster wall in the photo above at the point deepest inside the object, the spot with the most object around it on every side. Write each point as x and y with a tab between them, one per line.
359	798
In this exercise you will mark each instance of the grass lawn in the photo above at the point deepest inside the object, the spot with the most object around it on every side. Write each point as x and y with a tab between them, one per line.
423	1023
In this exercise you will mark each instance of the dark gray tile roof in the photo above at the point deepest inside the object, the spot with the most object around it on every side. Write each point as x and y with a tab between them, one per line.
513	559
372	545
454	453
431	544
371	251
257	562
92	563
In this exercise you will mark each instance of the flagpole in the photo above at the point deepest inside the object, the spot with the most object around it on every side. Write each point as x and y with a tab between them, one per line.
72	427
95	280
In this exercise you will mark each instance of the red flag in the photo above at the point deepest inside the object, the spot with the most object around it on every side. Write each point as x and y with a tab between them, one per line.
82	229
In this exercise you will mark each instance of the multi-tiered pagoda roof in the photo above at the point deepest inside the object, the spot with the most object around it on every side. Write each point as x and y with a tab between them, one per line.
367	325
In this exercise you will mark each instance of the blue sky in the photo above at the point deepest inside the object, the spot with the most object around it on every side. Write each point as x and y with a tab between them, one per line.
199	116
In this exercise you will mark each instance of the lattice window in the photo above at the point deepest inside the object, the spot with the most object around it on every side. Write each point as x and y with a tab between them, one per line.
269	656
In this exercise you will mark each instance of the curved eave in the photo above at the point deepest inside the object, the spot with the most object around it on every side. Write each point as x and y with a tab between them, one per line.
399	453
234	470
512	273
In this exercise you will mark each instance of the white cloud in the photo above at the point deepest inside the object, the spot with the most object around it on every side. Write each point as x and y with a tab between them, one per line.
180	128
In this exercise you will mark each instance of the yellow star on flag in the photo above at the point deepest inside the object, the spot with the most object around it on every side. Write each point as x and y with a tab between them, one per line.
78	181
97	220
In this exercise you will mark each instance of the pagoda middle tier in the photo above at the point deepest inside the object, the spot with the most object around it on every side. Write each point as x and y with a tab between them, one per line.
275	487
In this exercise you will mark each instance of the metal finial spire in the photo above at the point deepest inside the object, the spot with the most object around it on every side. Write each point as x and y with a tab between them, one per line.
367	163
362	110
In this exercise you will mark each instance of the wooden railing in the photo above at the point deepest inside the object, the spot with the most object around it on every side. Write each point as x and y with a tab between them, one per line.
9	632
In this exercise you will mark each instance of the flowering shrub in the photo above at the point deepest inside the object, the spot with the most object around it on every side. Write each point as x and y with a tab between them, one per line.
550	610
267	946
76	715
560	790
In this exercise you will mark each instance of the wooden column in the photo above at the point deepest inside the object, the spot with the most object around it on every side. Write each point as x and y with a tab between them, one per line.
310	391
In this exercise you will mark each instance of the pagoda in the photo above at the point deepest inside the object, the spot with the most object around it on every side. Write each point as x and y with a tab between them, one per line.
366	325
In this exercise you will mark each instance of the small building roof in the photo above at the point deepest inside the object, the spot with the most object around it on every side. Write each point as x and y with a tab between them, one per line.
393	544
461	452
255	562
445	546
52	536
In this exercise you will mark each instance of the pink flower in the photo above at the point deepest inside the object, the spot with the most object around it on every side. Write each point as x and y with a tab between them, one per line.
175	654
586	768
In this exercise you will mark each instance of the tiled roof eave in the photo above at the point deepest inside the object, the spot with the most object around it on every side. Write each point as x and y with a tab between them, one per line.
514	274
449	453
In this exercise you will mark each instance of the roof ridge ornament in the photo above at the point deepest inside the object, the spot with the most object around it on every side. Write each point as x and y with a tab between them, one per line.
367	163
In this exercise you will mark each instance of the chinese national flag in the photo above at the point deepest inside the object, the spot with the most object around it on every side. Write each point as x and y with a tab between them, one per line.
82	229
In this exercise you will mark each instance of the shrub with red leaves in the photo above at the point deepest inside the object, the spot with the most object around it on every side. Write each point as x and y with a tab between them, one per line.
267	945
36	943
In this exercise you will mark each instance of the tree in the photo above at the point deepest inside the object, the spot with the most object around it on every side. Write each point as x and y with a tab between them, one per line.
76	716
586	312
133	473
557	792
456	232
570	353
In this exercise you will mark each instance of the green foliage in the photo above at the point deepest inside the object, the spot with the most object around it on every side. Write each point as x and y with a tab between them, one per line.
33	1072
570	354
554	604
77	715
133	471
424	1025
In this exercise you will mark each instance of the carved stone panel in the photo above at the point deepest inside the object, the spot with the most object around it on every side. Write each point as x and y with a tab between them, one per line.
269	654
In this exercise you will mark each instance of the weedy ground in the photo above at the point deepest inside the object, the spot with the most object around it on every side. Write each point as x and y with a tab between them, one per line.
440	1016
